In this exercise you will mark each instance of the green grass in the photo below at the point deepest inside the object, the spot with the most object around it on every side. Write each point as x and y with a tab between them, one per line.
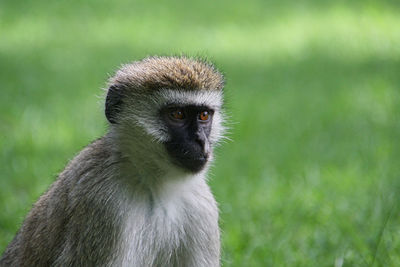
312	176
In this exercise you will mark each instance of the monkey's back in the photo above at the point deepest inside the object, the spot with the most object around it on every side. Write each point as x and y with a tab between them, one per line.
69	224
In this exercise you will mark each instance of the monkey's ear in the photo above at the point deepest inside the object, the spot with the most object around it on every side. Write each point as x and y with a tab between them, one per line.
113	103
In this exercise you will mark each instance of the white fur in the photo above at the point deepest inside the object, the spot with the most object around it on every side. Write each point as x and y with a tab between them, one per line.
209	98
152	239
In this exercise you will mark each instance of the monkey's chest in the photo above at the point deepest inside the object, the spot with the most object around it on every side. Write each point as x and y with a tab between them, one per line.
161	233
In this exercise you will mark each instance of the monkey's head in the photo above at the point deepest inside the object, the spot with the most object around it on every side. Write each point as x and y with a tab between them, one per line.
168	108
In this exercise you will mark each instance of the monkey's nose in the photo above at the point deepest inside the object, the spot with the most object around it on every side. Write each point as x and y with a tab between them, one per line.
201	139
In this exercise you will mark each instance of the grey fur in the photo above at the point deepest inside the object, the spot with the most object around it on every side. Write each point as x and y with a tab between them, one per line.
121	201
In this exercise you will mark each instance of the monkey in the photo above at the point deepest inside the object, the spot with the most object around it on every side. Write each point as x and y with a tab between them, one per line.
137	196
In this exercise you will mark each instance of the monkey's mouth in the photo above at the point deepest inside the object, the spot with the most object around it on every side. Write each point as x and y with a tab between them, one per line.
189	156
193	164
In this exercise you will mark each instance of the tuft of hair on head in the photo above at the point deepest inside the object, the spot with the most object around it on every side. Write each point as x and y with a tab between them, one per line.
152	74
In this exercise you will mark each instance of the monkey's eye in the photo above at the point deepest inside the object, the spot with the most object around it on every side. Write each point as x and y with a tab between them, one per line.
204	115
177	114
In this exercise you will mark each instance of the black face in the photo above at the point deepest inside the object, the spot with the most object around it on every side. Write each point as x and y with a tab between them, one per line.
189	128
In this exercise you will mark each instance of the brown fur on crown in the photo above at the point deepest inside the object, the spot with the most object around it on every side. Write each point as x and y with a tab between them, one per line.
154	73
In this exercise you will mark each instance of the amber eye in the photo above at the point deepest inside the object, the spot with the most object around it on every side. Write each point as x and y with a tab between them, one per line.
177	114
204	115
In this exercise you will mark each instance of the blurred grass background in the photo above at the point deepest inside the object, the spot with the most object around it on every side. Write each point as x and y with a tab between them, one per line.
312	177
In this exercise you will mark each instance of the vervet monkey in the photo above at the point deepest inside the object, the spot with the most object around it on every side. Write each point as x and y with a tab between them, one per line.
138	195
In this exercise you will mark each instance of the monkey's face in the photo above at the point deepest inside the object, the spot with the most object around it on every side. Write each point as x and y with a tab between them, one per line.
183	125
170	126
189	125
189	129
